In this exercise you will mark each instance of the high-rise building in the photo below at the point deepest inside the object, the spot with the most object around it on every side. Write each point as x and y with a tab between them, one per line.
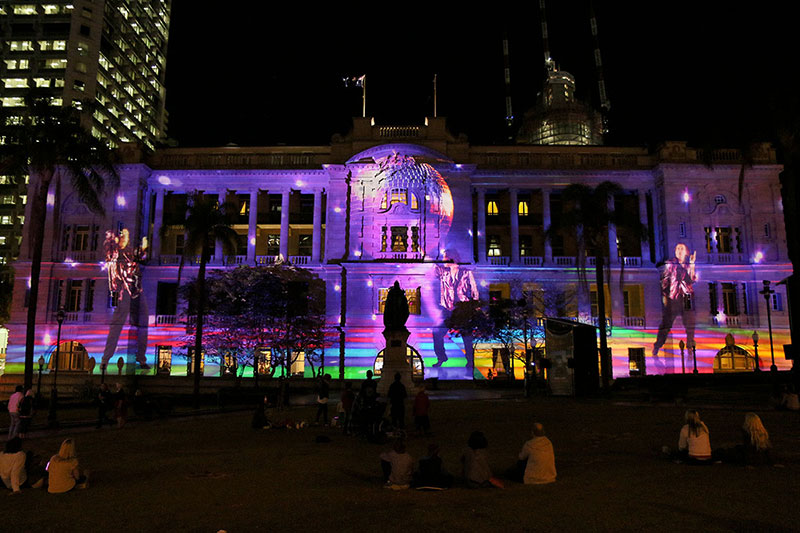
104	57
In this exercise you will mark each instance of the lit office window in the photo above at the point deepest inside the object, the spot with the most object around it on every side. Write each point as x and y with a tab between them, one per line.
522	208
15	83
491	208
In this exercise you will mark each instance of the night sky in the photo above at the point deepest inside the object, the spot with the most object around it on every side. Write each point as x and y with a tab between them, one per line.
706	72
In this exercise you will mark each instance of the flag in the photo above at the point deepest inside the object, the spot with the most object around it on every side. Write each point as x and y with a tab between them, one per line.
354	81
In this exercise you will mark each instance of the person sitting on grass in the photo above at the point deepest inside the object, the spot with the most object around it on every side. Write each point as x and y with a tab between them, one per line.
694	445
755	447
398	466
538	458
63	472
476	463
432	475
12	465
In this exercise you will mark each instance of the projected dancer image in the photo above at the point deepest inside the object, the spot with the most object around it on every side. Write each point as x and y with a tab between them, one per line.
456	285
125	280
677	278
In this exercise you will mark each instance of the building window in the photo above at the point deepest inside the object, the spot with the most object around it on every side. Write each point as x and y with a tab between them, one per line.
777	302
89	304
163	359
304	244
412	295
745	300
80	242
525	245
767	231
491	208
414	202
682	229
522	208
636	361
273	244
712	299
494	246
383	238
729	304
414	239
384	202
399	238
399	196
74	293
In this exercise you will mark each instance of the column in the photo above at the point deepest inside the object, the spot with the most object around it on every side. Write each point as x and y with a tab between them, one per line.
284	248
613	253
548	248
218	251
512	195
481	226
316	238
643	220
252	227
158	221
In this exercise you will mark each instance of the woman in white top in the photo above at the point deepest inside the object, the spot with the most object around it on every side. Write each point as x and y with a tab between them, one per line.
694	443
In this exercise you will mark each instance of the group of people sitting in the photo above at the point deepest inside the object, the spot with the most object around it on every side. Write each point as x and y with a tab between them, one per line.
694	443
20	469
535	465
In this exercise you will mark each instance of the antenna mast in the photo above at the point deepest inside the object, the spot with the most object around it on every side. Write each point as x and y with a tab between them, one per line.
507	76
605	104
548	62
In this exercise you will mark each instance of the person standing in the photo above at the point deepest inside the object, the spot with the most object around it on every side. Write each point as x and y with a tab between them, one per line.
422	407
348	399
677	277
397	399
103	404
25	413
120	406
323	395
13	411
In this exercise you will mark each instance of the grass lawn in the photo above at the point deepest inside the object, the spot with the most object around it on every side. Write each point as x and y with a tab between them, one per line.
215	472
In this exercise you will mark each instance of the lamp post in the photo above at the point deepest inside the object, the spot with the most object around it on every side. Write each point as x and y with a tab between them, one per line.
682	345
768	292
52	419
39	381
694	355
755	349
103	372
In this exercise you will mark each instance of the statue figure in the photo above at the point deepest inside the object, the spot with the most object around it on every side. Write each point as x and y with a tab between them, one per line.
395	311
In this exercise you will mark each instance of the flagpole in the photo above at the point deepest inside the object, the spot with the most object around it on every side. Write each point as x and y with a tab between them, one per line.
434	95
364	96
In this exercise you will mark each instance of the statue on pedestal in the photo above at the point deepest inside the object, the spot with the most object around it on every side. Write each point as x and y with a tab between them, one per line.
395	360
395	311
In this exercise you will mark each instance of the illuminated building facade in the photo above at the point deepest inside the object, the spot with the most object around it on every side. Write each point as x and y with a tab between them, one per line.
111	53
451	222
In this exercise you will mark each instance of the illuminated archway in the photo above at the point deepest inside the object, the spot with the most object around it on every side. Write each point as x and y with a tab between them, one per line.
72	356
412	356
734	358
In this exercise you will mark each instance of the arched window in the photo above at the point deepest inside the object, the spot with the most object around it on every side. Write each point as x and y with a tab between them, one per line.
414	202
399	196
412	356
733	358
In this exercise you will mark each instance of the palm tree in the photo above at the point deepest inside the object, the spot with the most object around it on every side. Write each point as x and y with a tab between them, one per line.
589	218
206	223
47	143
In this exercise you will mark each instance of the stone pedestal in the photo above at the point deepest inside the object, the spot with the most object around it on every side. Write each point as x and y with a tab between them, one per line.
394	361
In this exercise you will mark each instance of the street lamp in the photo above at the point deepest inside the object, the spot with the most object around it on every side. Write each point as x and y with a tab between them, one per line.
768	292
52	420
682	345
755	348
39	382
694	355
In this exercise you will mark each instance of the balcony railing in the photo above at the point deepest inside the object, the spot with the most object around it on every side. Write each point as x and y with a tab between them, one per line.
236	260
266	259
76	256
299	259
531	260
726	259
171	259
733	320
400	255
498	260
632	261
633	321
564	260
166	320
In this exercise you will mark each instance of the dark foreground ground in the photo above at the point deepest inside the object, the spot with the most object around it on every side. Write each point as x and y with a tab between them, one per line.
211	473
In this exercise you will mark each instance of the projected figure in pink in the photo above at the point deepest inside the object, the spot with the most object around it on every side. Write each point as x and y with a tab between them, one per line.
677	278
456	284
125	281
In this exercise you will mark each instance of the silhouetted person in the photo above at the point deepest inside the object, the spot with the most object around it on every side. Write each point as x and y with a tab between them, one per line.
397	398
432	474
323	395
348	399
104	403
421	411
